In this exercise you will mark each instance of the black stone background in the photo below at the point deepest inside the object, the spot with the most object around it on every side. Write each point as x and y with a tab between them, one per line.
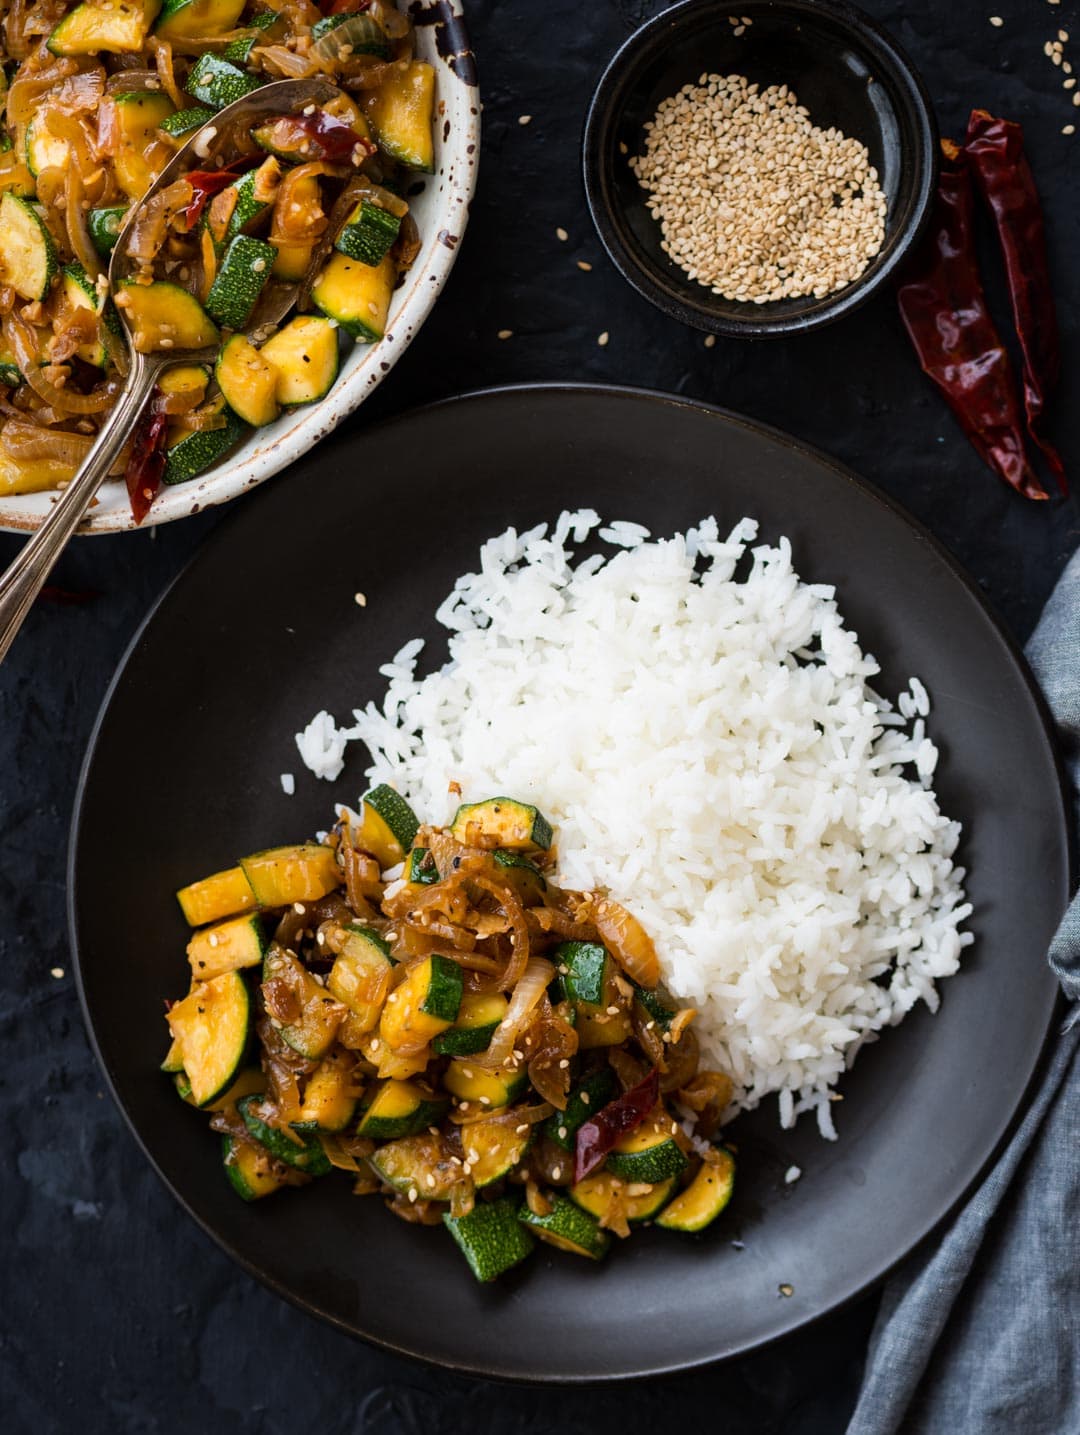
116	1313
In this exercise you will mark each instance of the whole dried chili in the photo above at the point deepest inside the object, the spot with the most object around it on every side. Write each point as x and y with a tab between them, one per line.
598	1135
995	149
944	310
146	465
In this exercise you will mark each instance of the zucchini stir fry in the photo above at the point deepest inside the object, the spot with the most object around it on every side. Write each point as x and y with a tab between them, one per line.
96	99
426	1010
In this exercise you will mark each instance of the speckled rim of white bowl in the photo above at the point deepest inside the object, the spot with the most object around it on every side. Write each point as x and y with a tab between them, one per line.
441	213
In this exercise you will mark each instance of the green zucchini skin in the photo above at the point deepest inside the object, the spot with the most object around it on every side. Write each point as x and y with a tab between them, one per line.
369	233
395	812
568	1228
215	83
105	226
584	1101
184	121
490	1237
244	273
309	1157
201	450
443	996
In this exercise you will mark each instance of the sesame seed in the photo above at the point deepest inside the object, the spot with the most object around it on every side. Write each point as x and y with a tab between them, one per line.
1076	98
466	1169
603	338
433	1131
584	266
485	1101
1069	83
996	21
740	29
561	234
213	940
584	1098
1068	129
360	599
506	333
430	1181
299	908
710	341
1063	36
556	1173
56	972
524	119
786	1290
521	1130
375	1044
413	1193
613	1011
563	1064
562	1133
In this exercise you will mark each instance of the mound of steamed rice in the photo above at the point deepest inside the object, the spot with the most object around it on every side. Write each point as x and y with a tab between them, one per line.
698	723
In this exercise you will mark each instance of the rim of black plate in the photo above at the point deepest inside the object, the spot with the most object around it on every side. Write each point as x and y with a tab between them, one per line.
1008	1125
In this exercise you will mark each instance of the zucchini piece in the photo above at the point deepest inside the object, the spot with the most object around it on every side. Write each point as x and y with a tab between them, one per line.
356	35
656	1005
420	866
388	826
594	1194
486	1088
248	382
589	982
213	1027
568	1228
400	1108
238	51
356	296
163	311
243	275
491	1237
369	233
82	293
304	355
515	825
401	112
283	875
44	150
192	19
183	122
330	1094
649	1153
247	1170
255	193
474	1026
105	226
522	875
174	1058
187	379
391	1065
423	1005
227	947
316	1029
705	1197
250	1082
304	1151
584	1101
118	27
360	978
10	374
200	450
27	253
493	1149
294	258
417	1166
215	83
221	895
141	154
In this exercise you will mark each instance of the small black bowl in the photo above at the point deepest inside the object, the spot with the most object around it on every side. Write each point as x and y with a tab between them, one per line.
844	68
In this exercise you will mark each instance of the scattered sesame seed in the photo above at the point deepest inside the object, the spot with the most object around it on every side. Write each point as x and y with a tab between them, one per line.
466	1169
584	266
556	1173
433	1131
360	599
740	29
562	1133
506	333
375	1044
56	972
485	1101
786	1290
996	21
299	908
563	969
623	147
710	341
584	1098
1068	129
792	1174
524	119
1063	36
466	1071
1070	83
603	338
413	1193
561	234
563	1064
613	1011
288	787
1076	98
213	940
521	1130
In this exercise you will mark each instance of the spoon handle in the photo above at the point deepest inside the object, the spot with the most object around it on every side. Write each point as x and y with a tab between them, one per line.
26	576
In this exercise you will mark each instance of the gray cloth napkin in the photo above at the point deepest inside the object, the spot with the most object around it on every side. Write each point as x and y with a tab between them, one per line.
979	1330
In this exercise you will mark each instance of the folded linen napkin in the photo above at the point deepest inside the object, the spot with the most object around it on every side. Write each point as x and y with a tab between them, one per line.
979	1330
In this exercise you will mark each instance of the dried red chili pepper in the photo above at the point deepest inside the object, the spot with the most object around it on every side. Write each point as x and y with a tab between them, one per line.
995	149
146	465
598	1135
944	310
206	182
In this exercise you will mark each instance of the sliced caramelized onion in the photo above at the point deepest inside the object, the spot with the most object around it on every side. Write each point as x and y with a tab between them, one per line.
27	353
680	1061
162	53
708	1094
26	442
528	993
627	941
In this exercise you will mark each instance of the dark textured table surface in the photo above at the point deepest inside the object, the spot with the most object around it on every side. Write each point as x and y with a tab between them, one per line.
117	1313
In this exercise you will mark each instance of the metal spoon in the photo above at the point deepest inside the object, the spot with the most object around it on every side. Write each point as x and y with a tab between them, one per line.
26	576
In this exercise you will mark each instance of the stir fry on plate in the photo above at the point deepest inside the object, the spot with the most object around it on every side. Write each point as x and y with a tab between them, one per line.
426	1010
97	98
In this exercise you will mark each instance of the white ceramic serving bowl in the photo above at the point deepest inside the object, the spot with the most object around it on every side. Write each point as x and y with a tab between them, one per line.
441	211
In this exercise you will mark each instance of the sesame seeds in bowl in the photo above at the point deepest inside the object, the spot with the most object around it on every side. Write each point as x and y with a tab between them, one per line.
762	168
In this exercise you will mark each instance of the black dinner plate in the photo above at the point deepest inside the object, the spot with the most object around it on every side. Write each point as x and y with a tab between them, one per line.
262	630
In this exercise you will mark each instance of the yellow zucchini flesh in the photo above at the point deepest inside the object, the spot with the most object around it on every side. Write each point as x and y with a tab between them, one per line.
705	1197
141	154
401	112
196	18
356	296
331	1093
248	382
314	1031
164	316
304	356
227	947
423	1005
212	1025
117	27
223	894
282	875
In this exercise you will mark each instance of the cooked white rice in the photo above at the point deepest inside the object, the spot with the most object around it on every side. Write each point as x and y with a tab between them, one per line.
711	751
